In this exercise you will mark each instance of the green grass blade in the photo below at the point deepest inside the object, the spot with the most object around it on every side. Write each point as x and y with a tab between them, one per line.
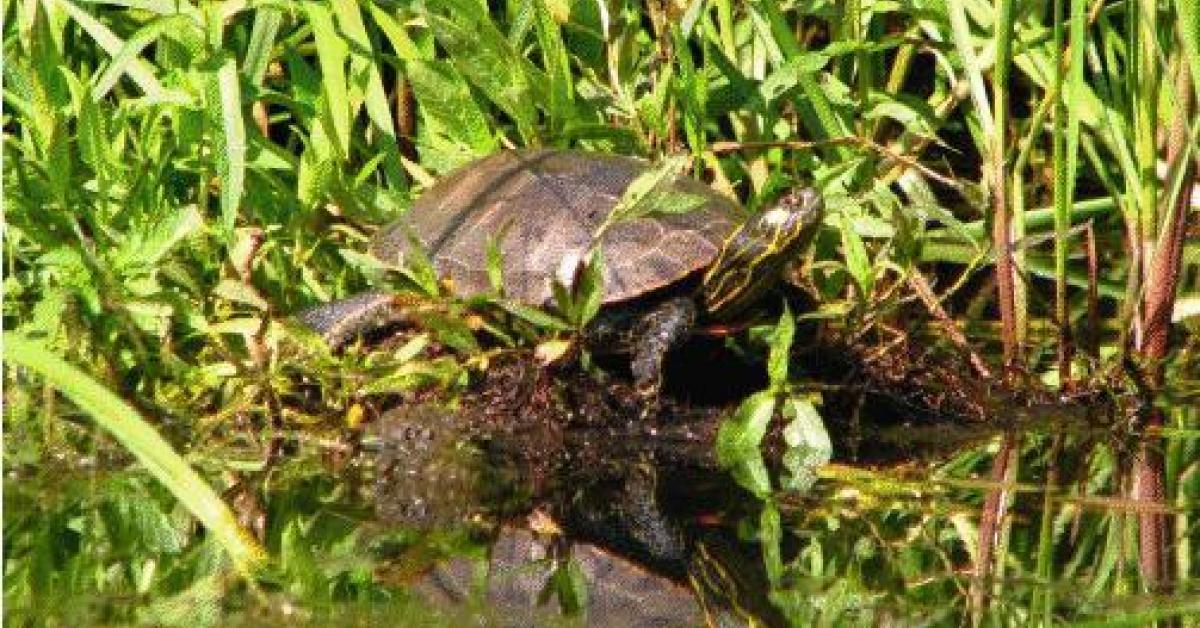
332	52
1066	166
161	7
816	109
781	350
692	92
402	43
963	43
1144	83
224	110
1036	220
364	71
139	71
129	52
1075	92
137	436
262	38
366	79
558	68
858	262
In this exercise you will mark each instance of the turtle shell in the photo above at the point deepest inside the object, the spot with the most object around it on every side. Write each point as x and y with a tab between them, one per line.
542	208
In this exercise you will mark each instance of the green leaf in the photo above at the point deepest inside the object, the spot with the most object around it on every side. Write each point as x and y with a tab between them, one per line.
483	55
972	67
788	76
857	260
364	70
652	107
441	372
558	68
139	71
404	45
692	88
240	292
297	559
495	265
562	299
316	176
808	442
47	316
133	516
455	130
589	294
770	538
534	315
48	94
816	111
412	348
121	62
332	53
161	7
781	348
453	332
913	114
740	435
366	84
751	473
91	131
228	132
152	241
650	193
1189	37
198	605
569	584
267	21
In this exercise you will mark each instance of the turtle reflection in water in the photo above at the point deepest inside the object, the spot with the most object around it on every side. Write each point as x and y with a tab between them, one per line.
545	210
627	519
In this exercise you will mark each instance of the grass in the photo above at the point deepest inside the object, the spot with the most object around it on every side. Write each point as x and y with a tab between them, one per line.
179	178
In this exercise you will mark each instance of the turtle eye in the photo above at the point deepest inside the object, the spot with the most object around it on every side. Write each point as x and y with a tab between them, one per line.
811	198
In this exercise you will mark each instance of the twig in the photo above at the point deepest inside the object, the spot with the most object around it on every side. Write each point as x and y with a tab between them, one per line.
910	162
925	293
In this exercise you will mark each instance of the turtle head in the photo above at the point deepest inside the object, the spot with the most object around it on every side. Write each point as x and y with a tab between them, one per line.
755	254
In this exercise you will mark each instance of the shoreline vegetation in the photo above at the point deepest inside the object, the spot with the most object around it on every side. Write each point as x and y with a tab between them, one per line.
1012	226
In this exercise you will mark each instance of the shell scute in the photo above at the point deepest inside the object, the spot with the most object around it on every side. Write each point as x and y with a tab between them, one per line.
543	208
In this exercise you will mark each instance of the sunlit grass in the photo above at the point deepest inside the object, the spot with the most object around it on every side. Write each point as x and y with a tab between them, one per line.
180	178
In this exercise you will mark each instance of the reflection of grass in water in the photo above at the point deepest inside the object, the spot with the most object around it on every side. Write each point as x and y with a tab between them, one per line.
874	542
864	544
178	177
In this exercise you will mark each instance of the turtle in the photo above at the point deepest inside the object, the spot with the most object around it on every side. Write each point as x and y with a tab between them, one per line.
664	274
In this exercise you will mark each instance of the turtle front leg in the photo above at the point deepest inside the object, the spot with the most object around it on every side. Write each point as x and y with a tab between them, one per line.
660	329
340	322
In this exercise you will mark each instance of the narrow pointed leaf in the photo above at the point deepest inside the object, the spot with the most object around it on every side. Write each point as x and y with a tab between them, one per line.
228	131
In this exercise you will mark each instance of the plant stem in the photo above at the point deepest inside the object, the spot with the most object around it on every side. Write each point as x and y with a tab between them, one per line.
1010	318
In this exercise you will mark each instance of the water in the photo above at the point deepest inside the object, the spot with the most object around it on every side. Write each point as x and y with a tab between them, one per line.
485	516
